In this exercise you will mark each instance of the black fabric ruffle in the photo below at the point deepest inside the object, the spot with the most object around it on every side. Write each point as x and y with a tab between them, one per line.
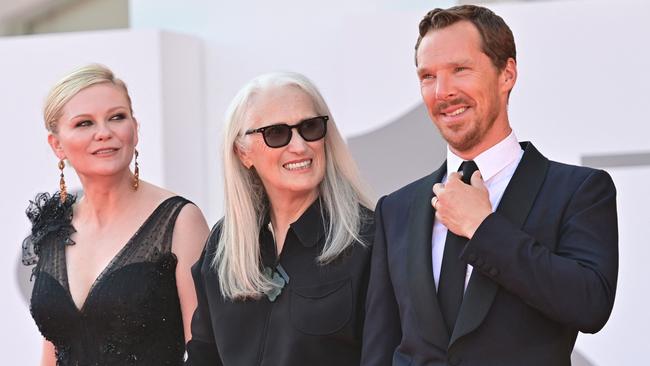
51	222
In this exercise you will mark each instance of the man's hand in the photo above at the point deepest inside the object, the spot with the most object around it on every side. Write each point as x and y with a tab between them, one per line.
462	207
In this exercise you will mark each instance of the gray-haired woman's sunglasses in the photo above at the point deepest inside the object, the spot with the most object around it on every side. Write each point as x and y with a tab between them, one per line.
279	135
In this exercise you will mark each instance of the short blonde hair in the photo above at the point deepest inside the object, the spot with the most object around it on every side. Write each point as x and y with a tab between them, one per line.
72	84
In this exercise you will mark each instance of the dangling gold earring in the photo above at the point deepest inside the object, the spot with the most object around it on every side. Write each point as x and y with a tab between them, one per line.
136	172
63	192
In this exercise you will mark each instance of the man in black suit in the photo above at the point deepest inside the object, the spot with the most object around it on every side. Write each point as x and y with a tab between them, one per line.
497	266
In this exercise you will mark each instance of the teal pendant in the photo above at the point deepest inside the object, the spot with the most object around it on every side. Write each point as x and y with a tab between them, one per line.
279	278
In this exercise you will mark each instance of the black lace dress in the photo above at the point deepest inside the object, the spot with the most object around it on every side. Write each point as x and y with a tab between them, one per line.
132	313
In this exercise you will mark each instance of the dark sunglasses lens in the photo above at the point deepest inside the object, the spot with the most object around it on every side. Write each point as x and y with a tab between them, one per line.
313	129
277	136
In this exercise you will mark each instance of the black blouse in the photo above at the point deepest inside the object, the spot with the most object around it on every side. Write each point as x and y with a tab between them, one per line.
316	319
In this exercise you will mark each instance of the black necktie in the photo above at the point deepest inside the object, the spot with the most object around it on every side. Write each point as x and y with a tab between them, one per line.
451	283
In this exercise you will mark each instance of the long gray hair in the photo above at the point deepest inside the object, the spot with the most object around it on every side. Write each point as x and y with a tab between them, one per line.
341	192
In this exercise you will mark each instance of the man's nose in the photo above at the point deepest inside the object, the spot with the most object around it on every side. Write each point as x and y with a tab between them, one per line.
444	87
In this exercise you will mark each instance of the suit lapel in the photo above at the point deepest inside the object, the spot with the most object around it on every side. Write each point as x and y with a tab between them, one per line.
515	205
420	269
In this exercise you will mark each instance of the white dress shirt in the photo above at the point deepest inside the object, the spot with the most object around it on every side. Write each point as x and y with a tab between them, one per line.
497	165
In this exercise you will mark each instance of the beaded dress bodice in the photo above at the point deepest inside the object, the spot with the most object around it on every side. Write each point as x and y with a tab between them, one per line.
131	315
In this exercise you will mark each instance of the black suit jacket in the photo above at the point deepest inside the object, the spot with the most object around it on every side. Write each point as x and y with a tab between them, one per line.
545	267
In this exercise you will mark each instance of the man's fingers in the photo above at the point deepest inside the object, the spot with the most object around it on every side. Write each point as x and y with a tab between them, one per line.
477	180
438	188
434	201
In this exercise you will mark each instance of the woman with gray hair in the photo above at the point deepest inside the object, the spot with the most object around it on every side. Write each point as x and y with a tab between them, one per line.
112	282
283	277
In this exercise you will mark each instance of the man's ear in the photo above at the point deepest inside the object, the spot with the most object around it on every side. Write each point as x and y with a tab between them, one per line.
55	144
508	76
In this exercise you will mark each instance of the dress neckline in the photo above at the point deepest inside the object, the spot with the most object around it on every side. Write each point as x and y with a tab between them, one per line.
108	268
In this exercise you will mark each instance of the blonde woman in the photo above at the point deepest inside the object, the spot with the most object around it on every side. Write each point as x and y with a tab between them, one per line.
283	278
112	281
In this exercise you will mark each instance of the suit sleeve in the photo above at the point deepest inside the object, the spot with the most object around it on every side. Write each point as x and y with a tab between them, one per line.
201	349
382	329
573	283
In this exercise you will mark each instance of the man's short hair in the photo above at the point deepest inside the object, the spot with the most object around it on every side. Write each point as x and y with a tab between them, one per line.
497	40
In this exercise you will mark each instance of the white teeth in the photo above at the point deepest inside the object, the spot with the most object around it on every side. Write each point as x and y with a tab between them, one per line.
105	151
299	165
457	111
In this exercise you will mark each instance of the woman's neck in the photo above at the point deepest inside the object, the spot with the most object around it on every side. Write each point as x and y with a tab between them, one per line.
104	196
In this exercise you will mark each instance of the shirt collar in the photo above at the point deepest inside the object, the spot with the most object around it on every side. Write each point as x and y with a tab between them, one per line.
310	226
491	161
